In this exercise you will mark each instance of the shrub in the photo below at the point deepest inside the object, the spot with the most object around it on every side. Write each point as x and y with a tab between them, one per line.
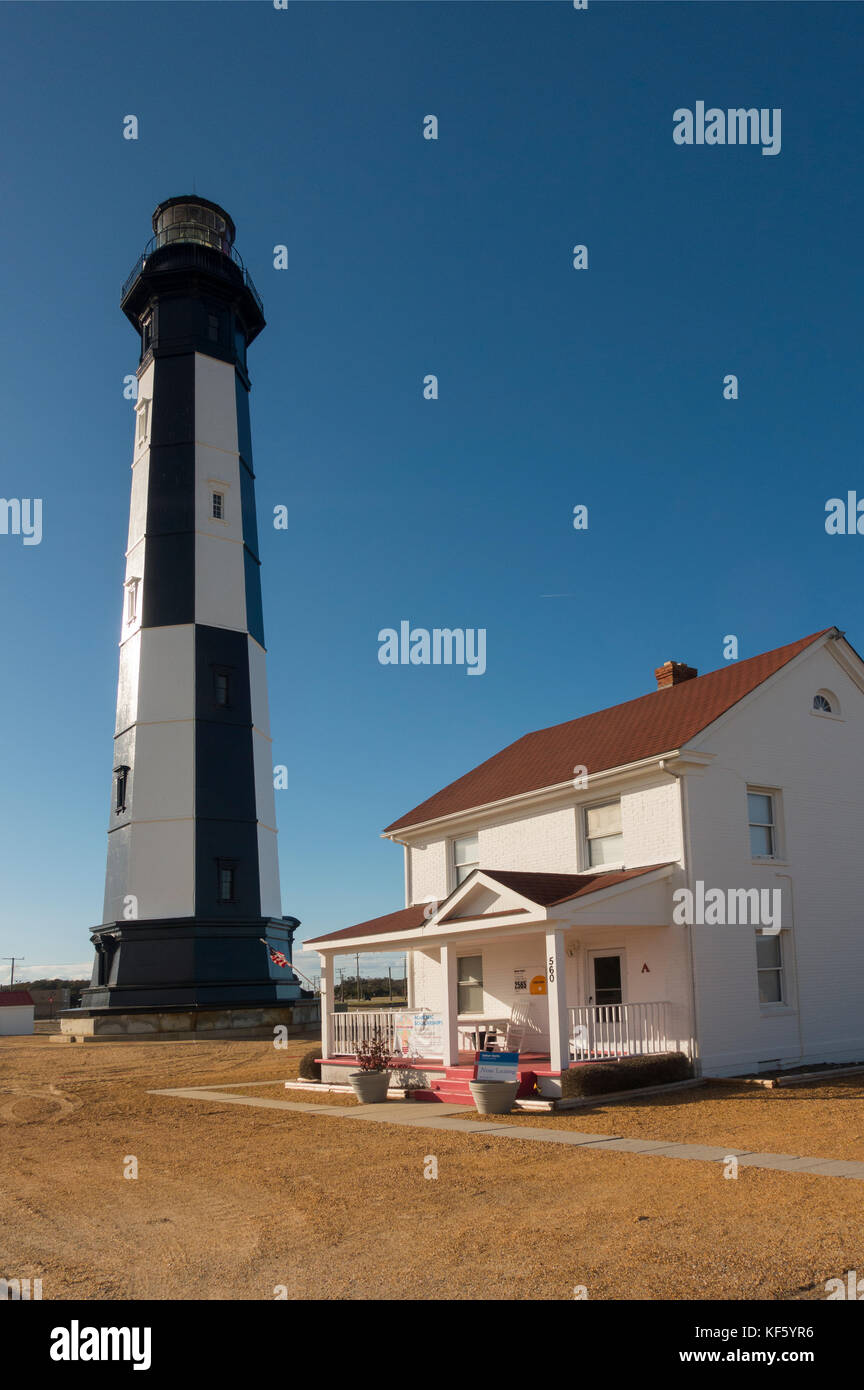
309	1069
374	1054
628	1074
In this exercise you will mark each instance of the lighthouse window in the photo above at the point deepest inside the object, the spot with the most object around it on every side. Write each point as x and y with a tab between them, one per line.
217	501
213	328
226	882
222	688
142	410
121	781
132	600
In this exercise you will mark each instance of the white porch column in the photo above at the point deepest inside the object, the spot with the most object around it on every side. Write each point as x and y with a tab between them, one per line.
559	1030
451	1006
327	1002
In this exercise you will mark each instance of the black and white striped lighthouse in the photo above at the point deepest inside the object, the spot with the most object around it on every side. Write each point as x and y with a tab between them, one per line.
192	885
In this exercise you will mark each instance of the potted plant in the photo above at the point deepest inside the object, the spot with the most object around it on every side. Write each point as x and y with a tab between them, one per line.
494	1097
374	1060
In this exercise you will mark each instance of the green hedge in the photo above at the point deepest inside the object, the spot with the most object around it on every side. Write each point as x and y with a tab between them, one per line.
309	1069
603	1078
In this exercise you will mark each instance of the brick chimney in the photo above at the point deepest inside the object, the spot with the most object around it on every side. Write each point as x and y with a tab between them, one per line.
673	673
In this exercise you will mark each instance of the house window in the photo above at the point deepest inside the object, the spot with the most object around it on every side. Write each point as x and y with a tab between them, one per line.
132	600
763	838
227	881
769	969
121	783
469	978
466	857
603	834
222	688
822	704
217	506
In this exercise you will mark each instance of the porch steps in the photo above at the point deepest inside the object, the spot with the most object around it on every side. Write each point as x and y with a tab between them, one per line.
453	1088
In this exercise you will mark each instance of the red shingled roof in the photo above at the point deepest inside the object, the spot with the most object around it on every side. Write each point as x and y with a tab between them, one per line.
11	997
542	889
641	728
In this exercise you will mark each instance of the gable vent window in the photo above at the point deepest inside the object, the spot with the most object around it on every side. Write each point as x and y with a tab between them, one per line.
825	703
603	834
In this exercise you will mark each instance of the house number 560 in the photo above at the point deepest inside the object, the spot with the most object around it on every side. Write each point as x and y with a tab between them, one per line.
551	970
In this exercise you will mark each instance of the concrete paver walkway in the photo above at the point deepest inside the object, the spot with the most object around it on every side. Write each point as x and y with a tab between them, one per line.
446	1117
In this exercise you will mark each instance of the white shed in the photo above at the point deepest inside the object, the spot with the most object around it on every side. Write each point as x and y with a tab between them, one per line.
16	1012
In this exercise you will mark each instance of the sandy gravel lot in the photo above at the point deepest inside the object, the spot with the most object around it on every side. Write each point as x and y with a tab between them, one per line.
231	1202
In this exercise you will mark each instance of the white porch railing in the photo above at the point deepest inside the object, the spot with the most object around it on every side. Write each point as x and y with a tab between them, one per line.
618	1030
356	1027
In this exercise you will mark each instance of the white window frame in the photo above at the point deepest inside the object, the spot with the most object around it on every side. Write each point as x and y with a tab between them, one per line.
472	1013
469	864
217	487
834	712
783	1003
587	839
130	616
777	854
142	422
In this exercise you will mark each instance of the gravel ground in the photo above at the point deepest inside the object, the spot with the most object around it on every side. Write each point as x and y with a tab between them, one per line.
819	1120
232	1202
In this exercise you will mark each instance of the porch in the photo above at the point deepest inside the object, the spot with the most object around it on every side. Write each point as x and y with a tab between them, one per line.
556	968
597	1032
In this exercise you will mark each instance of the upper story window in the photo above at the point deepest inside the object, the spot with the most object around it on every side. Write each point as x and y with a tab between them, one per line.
466	857
761	809
603	835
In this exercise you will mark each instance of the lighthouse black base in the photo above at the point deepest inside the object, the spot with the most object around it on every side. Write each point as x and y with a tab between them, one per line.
191	963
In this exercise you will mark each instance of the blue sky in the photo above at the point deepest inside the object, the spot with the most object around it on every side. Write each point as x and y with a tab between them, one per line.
408	256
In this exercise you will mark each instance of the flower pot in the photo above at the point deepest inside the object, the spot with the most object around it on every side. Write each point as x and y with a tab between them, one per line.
370	1087
494	1097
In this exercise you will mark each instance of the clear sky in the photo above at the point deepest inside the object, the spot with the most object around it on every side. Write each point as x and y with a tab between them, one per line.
407	256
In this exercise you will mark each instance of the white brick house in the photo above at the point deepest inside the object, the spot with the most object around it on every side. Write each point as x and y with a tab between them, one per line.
547	904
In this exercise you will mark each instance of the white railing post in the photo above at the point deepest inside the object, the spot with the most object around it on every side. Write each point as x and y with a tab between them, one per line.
620	1030
326	1005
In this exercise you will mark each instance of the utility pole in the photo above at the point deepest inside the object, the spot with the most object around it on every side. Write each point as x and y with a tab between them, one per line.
390	980
12	970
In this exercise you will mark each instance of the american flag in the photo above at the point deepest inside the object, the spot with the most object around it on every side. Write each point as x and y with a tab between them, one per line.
278	957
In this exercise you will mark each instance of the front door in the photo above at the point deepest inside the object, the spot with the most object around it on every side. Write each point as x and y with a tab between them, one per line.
605	977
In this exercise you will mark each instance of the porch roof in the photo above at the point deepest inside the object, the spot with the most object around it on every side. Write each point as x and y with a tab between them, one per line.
537	890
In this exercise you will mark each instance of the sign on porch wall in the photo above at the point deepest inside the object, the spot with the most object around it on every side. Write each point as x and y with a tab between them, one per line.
520	980
419	1034
496	1066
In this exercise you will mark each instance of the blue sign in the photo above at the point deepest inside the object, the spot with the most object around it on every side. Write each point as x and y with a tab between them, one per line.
496	1066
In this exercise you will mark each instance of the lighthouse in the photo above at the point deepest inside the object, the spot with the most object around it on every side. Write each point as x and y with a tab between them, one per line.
192	914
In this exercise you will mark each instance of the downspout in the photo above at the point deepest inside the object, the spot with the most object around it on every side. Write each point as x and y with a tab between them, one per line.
793	937
686	845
